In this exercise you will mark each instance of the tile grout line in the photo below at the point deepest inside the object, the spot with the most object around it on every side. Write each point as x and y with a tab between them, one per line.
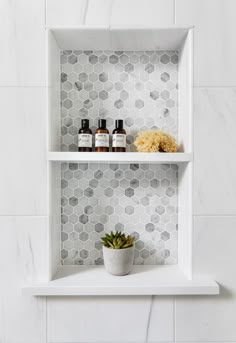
45	86
46	319
24	216
156	342
45	13
174	320
214	87
214	215
46	215
32	86
111	12
174	12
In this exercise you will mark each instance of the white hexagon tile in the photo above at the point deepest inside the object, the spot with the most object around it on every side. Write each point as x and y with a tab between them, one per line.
139	199
140	88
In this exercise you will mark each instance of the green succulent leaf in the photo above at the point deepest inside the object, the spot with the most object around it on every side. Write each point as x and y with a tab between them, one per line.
117	240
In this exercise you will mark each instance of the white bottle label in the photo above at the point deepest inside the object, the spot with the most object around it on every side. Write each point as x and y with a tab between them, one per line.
102	140
84	140
119	140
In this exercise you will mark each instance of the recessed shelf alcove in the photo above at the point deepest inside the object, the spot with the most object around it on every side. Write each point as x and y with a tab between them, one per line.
110	44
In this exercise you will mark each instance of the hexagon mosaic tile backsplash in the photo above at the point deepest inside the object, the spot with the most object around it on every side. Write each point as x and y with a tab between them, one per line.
138	198
141	88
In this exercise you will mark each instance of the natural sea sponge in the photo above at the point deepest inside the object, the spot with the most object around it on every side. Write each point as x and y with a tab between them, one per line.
155	141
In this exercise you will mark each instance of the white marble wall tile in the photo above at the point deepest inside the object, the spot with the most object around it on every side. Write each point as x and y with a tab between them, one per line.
143	12
214	47
23	151
109	319
105	12
99	12
214	146
22	259
22	41
211	318
161	327
65	12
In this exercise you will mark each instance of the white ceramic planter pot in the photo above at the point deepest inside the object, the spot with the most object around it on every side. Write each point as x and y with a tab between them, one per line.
118	261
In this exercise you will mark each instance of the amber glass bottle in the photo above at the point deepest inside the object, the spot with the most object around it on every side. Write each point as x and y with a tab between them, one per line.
119	137
85	136
102	137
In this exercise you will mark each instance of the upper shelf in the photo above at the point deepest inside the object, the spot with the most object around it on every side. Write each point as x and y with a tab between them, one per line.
144	280
111	157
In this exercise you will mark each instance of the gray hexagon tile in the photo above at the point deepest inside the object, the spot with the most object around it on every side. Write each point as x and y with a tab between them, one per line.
140	87
138	198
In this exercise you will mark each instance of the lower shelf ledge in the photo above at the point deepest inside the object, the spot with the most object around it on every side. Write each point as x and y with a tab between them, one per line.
144	280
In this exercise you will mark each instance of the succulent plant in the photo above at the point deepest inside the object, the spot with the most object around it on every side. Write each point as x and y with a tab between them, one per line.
117	240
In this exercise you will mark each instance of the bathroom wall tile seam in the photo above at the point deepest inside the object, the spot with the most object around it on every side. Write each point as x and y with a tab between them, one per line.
174	9
26	86
174	317
46	318
24	215
205	215
45	14
214	215
214	87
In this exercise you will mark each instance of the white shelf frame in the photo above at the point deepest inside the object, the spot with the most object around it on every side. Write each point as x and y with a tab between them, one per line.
120	38
119	157
144	280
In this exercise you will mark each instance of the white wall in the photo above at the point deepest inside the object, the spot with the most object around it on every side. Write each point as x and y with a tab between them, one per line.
23	178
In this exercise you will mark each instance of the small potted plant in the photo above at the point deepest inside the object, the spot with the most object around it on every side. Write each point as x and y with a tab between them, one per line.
118	252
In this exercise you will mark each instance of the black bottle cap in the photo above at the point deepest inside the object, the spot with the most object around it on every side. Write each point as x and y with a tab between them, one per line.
102	123
119	124
85	123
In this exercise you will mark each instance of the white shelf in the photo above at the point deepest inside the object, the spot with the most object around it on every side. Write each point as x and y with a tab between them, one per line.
144	280
119	157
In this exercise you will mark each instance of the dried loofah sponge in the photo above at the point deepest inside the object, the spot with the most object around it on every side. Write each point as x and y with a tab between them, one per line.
154	141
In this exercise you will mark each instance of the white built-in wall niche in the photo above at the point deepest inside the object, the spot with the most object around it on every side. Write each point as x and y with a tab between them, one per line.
143	76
